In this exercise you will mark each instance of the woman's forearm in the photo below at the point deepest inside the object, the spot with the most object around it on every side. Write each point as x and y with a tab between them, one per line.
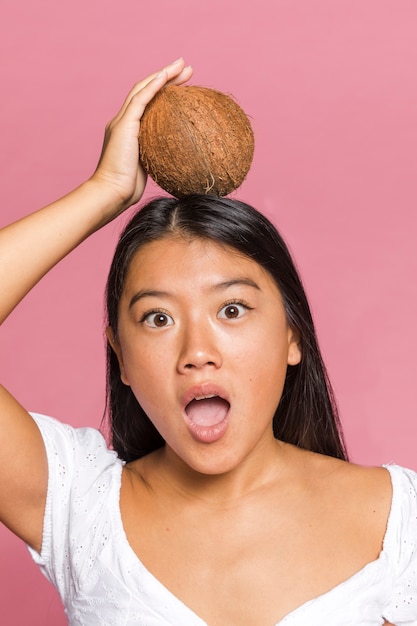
30	247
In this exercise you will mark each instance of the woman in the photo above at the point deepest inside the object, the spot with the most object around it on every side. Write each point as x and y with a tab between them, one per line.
230	500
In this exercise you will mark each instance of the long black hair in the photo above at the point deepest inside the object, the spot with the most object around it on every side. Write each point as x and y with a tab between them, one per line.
307	414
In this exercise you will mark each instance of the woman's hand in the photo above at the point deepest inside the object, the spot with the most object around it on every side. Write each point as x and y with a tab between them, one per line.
119	166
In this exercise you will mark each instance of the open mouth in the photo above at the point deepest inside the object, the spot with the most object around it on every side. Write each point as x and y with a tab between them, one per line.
207	410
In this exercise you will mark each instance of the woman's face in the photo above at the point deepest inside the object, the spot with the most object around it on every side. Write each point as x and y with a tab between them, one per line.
204	344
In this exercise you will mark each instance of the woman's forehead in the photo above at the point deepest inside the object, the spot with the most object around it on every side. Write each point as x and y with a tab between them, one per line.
180	249
176	257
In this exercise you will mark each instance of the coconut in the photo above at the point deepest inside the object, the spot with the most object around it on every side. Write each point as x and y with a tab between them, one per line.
195	140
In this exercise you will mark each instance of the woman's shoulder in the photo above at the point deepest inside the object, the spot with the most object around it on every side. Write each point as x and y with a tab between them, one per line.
344	494
68	436
361	482
80	454
386	487
380	501
354	480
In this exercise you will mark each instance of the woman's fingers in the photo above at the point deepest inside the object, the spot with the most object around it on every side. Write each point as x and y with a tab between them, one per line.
147	88
185	75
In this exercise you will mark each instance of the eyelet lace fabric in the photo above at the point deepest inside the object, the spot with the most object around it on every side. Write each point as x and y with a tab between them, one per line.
101	581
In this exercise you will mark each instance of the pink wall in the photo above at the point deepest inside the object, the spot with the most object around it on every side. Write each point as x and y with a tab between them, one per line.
330	86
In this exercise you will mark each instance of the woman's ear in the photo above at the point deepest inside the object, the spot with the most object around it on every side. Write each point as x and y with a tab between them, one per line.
294	348
115	346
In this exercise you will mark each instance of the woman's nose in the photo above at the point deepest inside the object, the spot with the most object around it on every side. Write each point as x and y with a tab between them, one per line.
199	348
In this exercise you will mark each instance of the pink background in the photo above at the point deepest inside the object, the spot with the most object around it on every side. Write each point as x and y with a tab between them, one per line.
331	88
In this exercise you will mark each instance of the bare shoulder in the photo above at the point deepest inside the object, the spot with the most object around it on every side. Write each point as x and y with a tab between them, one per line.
361	494
364	481
370	485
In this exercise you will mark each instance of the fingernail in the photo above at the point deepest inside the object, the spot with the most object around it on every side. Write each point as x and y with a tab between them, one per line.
177	61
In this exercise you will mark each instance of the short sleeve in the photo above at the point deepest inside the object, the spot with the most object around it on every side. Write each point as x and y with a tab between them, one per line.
81	472
401	547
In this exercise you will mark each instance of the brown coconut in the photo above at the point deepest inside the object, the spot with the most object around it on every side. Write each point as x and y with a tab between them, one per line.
195	140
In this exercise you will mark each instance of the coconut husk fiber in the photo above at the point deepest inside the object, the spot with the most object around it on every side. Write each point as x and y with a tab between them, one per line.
195	140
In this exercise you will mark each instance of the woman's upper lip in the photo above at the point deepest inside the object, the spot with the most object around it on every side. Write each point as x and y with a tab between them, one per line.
203	390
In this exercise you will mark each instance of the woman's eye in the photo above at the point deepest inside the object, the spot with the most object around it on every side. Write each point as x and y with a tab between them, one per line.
157	319
232	310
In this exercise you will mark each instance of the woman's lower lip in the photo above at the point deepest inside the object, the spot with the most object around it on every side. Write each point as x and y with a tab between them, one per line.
208	434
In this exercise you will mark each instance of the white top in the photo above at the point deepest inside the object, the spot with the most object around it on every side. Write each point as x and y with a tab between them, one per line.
101	581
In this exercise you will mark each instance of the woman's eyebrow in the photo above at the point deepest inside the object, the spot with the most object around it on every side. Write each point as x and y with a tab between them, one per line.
148	293
225	284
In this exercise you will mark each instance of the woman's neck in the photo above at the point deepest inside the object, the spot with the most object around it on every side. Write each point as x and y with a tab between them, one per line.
163	469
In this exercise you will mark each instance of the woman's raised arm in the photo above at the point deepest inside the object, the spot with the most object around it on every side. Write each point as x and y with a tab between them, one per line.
29	248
